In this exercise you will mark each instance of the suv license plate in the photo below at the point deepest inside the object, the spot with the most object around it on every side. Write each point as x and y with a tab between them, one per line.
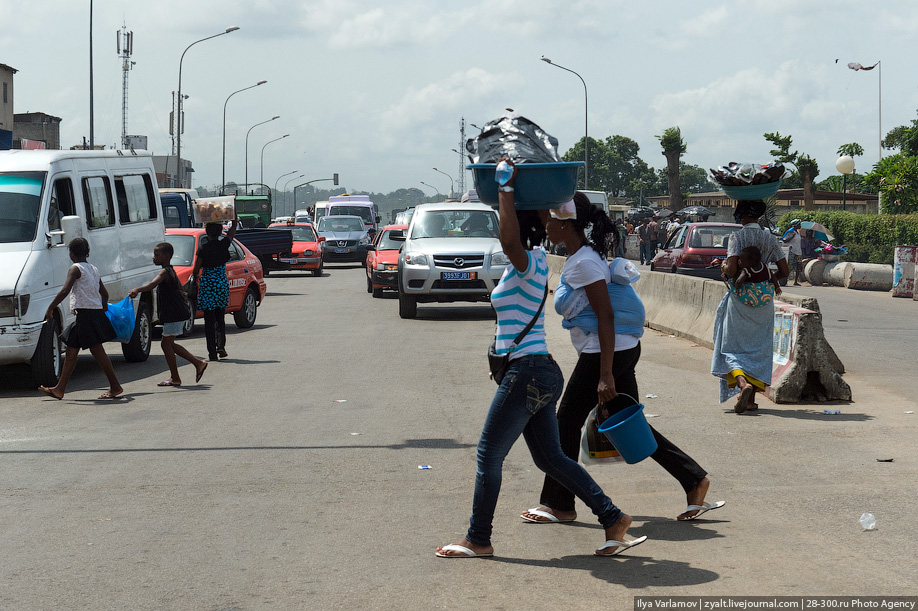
340	250
457	276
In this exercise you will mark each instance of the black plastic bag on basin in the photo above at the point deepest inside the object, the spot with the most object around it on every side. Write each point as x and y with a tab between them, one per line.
515	137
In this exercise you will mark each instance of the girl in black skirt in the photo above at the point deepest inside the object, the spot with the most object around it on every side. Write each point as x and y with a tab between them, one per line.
89	300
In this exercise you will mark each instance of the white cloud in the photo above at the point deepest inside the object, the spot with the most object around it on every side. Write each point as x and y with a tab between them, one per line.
709	23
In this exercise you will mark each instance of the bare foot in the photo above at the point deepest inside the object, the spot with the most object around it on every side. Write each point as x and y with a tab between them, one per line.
616	532
112	393
695	497
563	516
477	549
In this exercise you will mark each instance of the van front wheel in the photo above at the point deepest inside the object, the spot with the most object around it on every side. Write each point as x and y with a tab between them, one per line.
138	349
49	353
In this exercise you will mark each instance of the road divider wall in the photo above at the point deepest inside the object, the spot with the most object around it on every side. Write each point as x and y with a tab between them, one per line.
805	365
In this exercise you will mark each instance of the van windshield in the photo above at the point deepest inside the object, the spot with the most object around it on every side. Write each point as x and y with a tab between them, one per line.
20	202
364	212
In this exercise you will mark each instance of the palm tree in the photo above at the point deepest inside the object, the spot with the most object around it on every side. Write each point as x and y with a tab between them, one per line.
673	148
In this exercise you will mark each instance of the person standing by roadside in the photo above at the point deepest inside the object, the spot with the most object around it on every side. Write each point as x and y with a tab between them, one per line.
743	334
525	400
654	237
622	236
646	241
88	300
173	312
792	238
605	317
213	288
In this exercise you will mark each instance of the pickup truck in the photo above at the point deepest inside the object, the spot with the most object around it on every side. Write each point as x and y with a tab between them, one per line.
265	244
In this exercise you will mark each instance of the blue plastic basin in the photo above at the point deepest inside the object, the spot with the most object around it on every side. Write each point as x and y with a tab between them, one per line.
537	185
630	434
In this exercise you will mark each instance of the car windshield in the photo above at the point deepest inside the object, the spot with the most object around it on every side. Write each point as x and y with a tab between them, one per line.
363	212
330	223
387	243
300	233
711	237
455	224
20	202
183	247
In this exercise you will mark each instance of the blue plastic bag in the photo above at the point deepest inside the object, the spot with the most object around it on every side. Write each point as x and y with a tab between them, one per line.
121	315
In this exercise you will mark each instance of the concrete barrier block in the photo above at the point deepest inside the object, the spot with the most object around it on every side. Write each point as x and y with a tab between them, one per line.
834	273
814	271
633	247
868	277
804	363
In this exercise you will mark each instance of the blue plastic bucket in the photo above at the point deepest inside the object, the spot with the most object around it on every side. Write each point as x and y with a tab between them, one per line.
630	434
537	185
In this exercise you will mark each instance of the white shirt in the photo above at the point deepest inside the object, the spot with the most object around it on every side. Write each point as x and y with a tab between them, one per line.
581	269
85	292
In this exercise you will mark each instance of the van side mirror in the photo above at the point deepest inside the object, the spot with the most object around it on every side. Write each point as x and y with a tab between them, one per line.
72	226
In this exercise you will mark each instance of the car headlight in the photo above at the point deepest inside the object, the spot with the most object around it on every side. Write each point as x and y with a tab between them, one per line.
11	305
499	258
416	258
386	267
307	253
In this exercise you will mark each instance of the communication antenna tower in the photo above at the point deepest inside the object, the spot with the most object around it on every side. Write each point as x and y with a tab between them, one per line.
461	157
125	41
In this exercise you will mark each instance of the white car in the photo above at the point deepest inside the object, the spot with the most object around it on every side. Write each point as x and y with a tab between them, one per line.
451	253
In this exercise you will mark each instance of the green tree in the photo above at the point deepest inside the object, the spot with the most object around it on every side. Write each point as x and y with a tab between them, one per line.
673	148
853	149
805	166
896	179
614	164
904	138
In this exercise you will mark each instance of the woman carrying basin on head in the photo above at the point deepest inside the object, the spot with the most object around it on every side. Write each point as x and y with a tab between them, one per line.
525	400
213	287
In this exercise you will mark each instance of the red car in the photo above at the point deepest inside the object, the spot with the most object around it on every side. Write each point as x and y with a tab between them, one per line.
307	247
382	261
692	248
243	271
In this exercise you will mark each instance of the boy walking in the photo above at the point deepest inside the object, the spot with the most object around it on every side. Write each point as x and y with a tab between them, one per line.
173	312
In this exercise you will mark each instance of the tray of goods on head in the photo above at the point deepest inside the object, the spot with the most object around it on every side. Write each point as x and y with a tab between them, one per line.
214	209
536	186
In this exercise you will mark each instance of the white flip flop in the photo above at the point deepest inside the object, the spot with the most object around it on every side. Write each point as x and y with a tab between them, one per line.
622	545
466	552
701	509
549	518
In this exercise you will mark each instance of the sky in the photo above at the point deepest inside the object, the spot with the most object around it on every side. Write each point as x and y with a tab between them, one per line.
376	90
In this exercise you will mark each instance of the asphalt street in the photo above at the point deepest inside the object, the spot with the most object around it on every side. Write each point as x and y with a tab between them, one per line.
289	479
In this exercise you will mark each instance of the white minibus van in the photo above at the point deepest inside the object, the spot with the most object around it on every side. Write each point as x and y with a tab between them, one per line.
356	205
47	198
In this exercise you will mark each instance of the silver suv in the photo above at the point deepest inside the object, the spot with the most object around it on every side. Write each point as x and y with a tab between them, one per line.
451	253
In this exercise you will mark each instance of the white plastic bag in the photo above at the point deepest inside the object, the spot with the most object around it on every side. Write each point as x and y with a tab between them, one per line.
595	447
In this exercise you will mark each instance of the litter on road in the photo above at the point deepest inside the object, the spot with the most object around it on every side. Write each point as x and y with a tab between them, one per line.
651	396
339	400
424	467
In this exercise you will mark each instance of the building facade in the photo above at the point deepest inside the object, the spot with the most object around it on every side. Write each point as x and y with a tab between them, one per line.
6	106
33	128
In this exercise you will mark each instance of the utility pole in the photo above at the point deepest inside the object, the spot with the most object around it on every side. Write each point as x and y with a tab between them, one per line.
125	41
461	157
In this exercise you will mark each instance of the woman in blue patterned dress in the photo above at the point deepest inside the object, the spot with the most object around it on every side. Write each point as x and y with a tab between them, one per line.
213	288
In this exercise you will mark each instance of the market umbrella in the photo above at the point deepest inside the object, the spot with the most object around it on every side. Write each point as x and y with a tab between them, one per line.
663	213
639	212
818	230
696	211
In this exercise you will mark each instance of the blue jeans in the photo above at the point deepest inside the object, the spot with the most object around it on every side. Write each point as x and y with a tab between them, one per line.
525	405
646	252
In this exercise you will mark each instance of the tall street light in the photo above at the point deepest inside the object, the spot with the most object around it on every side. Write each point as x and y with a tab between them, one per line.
586	131
223	182
309	182
247	146
278	180
285	190
432	187
262	178
845	165
450	181
178	115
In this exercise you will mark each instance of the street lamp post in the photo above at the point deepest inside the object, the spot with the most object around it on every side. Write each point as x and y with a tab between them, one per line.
247	145
179	123
278	180
262	178
285	191
309	182
845	165
450	181
223	183
586	131
432	187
